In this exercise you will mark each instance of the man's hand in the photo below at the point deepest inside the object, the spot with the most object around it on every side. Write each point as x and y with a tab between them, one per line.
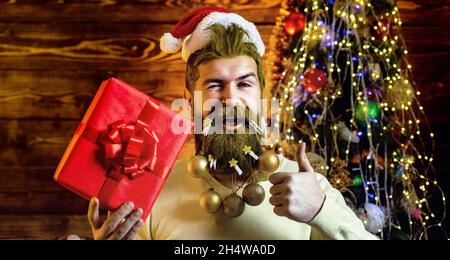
122	224
297	196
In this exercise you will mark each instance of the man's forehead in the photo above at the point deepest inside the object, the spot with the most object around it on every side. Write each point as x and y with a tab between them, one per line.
228	68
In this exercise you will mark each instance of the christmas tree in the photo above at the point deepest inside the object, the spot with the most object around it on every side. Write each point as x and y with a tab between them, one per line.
341	73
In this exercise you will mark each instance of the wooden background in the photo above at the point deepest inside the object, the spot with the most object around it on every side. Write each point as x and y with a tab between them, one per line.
55	53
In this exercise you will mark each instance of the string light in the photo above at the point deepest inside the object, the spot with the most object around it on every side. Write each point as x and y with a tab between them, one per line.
382	93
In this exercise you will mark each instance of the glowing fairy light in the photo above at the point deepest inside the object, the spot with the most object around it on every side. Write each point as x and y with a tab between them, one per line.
383	107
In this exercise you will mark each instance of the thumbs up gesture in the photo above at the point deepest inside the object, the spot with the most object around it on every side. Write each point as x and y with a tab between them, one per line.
297	196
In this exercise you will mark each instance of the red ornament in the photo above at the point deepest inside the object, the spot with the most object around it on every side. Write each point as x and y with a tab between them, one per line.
294	23
315	80
416	213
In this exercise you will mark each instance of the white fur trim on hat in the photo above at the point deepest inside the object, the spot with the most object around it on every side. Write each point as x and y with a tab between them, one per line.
201	36
170	44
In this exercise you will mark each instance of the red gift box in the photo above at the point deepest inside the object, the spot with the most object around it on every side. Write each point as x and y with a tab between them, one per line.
124	148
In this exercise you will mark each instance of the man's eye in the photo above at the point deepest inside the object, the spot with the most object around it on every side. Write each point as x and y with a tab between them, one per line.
214	87
244	85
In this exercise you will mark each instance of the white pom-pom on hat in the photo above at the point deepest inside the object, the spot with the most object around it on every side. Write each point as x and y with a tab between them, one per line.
170	44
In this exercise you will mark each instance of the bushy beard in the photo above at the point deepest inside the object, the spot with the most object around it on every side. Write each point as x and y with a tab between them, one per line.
225	147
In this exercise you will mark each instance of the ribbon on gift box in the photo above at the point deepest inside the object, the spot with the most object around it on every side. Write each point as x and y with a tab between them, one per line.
128	149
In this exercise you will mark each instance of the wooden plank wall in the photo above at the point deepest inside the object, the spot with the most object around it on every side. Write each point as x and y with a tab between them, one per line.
55	53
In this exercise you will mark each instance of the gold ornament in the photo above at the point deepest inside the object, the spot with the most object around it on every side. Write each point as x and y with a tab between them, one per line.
268	162
253	194
400	95
288	150
198	166
317	34
339	177
210	201
233	206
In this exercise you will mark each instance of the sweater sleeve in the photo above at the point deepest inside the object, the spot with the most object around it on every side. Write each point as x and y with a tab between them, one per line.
336	220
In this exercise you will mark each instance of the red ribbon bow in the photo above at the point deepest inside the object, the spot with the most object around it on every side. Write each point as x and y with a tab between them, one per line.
129	149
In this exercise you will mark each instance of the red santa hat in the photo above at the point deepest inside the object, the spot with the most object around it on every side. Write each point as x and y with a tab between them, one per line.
191	32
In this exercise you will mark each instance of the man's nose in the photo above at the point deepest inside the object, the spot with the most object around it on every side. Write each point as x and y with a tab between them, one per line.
231	94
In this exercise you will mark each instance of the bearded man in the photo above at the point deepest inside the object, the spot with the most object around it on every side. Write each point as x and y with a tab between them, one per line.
223	54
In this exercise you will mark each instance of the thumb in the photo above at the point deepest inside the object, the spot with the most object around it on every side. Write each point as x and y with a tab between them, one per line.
93	213
302	160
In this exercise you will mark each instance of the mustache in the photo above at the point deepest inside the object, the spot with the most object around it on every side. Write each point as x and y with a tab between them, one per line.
229	111
234	114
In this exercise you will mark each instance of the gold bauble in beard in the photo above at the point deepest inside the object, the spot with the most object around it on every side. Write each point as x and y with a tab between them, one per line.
233	206
198	166
268	162
210	201
253	194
